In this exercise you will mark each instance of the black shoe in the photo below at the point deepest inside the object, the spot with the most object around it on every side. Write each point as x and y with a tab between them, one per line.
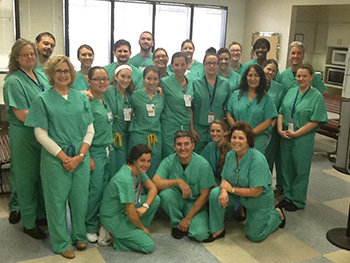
41	222
35	232
177	233
211	238
282	204
283	221
241	214
15	217
291	207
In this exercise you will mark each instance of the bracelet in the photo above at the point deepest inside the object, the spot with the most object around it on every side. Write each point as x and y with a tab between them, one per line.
82	155
145	205
233	190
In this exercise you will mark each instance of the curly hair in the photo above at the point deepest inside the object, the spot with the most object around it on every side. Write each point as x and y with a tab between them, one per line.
51	65
247	129
259	90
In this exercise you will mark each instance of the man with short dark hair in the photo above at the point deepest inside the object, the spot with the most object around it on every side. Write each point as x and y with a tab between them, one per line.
296	57
144	58
45	43
184	180
122	52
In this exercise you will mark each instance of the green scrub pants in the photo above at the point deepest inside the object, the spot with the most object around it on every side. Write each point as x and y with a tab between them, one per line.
126	236
273	157
177	208
59	185
156	147
119	153
13	204
25	159
204	134
262	219
99	178
296	164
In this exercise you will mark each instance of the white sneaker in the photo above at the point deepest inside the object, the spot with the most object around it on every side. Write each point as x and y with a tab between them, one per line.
92	238
104	238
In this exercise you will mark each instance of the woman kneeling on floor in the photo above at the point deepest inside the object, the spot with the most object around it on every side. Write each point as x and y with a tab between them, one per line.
125	211
246	181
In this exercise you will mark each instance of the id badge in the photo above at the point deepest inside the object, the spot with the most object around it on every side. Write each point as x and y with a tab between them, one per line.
187	99
127	114
151	110
291	126
211	117
109	116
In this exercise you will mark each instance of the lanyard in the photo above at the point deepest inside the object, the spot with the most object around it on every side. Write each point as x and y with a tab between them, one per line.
137	187
36	83
295	101
211	96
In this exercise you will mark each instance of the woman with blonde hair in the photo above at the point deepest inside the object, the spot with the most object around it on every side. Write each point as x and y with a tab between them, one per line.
62	122
22	86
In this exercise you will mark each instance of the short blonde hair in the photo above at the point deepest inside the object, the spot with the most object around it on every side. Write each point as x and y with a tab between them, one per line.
50	68
16	49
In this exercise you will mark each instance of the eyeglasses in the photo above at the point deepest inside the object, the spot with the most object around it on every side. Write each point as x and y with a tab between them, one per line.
210	63
60	71
27	55
100	80
235	50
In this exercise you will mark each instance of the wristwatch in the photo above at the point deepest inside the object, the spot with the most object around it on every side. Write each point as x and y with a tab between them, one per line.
82	155
145	205
233	190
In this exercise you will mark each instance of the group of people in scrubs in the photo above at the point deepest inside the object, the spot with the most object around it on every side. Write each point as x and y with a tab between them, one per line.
101	142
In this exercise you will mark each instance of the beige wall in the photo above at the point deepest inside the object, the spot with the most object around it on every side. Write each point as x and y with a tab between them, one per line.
275	16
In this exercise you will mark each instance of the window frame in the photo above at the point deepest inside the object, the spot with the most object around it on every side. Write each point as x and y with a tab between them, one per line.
154	3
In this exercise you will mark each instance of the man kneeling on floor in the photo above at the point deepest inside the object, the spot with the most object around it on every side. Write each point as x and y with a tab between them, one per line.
185	179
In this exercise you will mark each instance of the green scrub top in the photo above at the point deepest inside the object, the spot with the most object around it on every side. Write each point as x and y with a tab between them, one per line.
136	73
251	111
309	107
141	121
117	104
201	104
289	81
81	83
245	66
66	120
119	192
175	109
233	78
276	91
212	154
198	173
195	71
139	62
40	71
102	123
252	171
19	92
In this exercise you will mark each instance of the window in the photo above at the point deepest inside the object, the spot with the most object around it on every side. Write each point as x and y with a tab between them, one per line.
130	19
209	27
7	33
94	31
171	24
172	27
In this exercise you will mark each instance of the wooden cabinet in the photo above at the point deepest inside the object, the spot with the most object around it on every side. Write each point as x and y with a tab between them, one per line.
338	35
